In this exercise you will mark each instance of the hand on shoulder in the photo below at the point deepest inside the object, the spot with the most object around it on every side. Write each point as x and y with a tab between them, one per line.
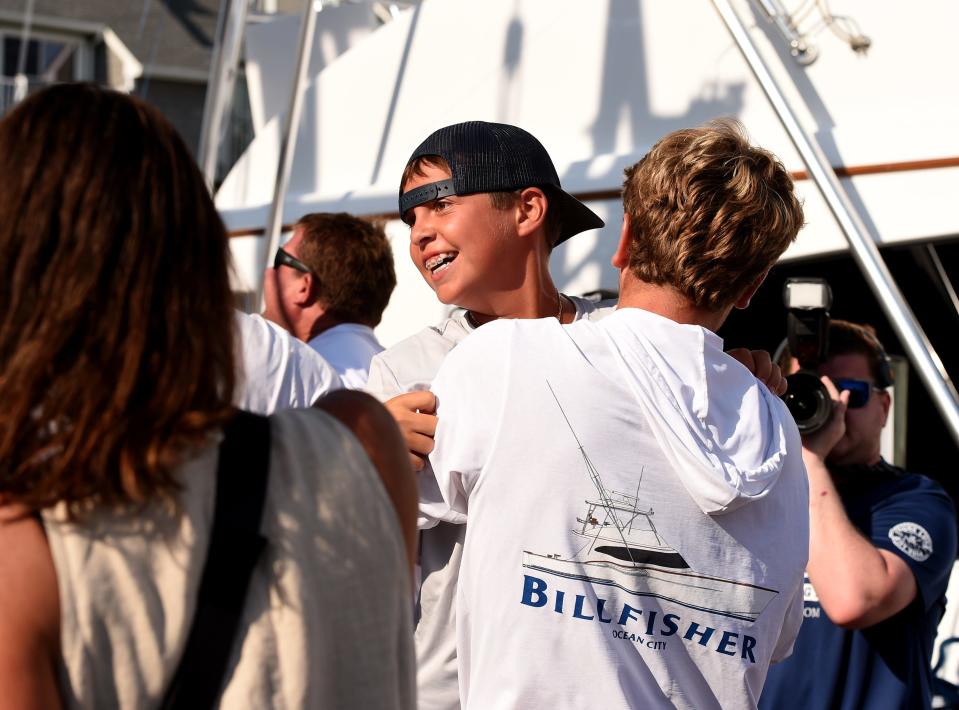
760	364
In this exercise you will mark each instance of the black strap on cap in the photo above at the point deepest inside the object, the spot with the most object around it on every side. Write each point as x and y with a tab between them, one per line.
425	193
235	547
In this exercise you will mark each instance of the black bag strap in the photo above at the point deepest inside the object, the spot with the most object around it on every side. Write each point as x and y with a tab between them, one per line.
235	547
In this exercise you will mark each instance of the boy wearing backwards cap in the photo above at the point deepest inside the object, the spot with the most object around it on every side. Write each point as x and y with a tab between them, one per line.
489	254
485	208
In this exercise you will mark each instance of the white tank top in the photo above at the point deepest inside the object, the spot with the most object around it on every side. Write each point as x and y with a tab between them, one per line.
327	615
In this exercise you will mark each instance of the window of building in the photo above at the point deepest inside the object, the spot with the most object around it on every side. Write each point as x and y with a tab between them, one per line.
44	58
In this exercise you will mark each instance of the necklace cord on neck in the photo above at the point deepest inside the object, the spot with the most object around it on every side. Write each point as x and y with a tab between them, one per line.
559	313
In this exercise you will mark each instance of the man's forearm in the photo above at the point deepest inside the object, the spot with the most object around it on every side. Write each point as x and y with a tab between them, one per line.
858	585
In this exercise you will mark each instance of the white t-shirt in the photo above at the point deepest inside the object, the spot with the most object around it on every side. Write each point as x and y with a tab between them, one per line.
348	347
410	366
637	510
278	371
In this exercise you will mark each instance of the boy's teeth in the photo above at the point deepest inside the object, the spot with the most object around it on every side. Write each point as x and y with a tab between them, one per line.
440	261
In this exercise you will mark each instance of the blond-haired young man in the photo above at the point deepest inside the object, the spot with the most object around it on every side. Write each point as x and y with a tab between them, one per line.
636	500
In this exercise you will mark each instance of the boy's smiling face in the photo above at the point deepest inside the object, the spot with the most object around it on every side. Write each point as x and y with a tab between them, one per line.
459	243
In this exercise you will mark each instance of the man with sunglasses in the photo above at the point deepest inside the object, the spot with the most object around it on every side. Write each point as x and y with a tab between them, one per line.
332	282
881	546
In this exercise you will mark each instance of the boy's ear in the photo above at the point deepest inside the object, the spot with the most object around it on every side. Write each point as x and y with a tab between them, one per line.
530	210
747	295
620	258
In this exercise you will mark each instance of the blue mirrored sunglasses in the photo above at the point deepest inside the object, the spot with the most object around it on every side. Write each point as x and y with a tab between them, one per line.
285	258
859	391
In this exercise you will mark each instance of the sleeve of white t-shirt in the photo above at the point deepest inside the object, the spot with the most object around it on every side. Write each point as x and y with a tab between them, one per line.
382	382
278	371
792	620
470	392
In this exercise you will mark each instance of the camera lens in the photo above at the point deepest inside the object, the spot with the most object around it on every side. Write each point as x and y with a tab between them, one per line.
808	401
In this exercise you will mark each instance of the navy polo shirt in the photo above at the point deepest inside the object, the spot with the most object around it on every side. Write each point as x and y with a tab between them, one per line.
887	665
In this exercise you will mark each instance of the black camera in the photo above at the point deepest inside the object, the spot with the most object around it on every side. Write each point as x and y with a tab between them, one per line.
807	303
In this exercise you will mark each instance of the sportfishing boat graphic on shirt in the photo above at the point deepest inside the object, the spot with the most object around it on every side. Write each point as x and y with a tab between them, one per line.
624	550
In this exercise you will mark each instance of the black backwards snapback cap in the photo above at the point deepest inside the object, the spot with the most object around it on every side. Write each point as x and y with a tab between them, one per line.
494	157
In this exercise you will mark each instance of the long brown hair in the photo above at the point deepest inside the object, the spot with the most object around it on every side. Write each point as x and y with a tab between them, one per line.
116	327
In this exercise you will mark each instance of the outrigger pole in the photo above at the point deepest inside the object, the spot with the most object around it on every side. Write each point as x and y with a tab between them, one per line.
594	477
230	23
862	246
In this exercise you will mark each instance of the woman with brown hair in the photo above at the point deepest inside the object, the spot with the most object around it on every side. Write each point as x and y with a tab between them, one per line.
116	378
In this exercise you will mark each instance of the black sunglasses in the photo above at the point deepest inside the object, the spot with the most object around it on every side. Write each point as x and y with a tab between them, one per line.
859	391
285	258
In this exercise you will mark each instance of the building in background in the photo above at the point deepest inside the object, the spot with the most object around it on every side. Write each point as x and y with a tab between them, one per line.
158	50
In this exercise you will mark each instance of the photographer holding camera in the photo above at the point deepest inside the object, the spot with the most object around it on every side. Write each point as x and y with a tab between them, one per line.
881	547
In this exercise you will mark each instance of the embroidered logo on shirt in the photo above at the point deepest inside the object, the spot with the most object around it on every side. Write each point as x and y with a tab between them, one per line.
913	539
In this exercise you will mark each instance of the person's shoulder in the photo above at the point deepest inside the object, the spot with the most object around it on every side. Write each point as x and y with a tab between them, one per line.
347	346
345	448
348	333
29	610
516	329
485	351
934	495
913	497
914	517
327	431
439	338
266	339
304	423
482	338
497	340
358	411
413	362
253	327
278	370
925	483
903	482
589	309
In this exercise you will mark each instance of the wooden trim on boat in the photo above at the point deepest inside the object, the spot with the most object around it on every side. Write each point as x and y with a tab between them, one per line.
902	167
256	231
841	171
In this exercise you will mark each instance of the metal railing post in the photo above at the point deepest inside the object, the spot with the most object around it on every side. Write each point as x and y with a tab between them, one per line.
288	137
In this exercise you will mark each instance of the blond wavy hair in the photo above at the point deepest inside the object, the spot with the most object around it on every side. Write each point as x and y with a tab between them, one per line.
708	213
